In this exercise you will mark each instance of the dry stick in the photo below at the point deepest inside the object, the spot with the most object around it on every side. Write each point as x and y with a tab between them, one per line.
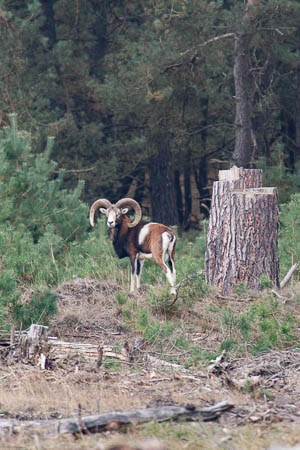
89	169
286	279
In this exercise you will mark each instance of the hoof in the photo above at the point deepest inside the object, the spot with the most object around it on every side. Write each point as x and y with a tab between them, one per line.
173	291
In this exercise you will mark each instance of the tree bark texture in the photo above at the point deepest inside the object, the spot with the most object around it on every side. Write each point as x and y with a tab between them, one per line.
297	118
242	240
243	83
35	341
162	186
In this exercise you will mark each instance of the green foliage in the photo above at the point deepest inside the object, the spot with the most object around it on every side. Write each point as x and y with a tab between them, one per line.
31	189
95	258
247	386
276	172
40	309
273	332
9	293
262	327
121	298
289	235
240	288
265	282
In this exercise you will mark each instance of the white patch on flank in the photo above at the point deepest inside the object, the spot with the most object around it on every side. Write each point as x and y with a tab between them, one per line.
167	242
144	232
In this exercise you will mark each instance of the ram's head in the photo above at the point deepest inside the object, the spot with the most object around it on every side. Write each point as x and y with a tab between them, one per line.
114	212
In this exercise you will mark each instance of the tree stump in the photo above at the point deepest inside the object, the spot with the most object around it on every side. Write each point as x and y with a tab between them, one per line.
35	342
242	238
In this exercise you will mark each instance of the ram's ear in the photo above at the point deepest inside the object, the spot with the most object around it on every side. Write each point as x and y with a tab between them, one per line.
103	210
124	210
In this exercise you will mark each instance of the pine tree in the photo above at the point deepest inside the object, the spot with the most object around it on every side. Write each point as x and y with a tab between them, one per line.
31	189
39	220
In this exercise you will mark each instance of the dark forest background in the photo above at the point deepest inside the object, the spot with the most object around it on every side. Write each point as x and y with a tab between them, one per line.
151	99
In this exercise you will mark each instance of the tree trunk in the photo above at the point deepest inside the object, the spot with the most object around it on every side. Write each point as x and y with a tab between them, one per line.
201	178
162	186
48	28
244	90
179	200
35	342
297	118
187	198
242	232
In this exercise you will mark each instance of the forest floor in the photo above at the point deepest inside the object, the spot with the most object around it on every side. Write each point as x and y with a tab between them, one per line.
264	390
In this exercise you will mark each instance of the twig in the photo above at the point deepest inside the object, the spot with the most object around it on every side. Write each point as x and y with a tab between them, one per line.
188	277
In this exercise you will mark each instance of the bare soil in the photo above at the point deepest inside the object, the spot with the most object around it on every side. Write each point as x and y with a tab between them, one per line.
265	389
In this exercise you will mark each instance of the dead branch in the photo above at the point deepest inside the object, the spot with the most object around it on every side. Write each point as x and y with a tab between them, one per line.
88	169
288	276
216	363
209	41
195	49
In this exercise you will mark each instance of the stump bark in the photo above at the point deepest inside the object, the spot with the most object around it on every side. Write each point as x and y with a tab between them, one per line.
242	237
34	342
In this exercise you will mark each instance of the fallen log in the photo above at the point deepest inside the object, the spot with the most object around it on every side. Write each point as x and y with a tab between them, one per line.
119	420
35	345
61	349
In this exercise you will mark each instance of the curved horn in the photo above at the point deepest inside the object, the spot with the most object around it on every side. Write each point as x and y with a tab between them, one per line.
96	205
136	208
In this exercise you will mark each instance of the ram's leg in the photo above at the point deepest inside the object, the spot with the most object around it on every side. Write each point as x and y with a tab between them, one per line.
171	264
172	270
169	256
165	260
139	268
171	277
133	265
